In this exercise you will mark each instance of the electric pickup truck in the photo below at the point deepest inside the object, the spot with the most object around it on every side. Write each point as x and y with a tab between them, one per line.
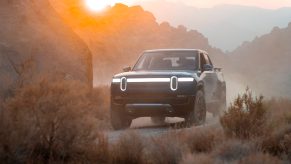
168	83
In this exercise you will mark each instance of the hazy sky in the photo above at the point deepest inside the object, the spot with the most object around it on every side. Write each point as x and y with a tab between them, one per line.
270	4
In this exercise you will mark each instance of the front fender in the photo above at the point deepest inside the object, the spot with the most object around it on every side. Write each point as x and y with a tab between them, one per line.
200	86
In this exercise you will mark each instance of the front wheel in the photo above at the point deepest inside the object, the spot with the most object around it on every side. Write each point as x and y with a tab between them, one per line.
198	114
119	120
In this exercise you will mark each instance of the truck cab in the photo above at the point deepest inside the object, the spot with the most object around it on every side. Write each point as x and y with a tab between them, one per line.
167	83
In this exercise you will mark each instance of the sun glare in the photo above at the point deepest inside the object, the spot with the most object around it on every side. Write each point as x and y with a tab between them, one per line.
97	5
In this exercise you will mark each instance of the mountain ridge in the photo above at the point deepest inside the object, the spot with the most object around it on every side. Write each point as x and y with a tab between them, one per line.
235	23
266	62
118	36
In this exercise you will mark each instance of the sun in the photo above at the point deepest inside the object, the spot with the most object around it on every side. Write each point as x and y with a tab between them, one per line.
97	5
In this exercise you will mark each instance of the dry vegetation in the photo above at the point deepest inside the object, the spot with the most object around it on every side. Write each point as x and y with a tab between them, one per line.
245	118
51	121
62	121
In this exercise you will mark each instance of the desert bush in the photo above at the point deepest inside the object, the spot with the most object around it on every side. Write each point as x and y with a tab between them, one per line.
129	149
279	113
278	143
48	121
100	102
165	149
245	118
260	158
201	158
232	150
100	99
97	152
201	140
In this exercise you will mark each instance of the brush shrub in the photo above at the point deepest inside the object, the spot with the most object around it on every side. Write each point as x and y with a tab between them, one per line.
129	149
201	158
201	140
232	150
245	118
165	149
48	121
61	121
260	158
278	143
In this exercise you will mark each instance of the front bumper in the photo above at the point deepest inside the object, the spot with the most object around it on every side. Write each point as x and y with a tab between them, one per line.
178	106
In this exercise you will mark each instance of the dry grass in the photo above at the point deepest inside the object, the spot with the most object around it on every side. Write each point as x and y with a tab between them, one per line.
201	140
164	149
100	99
60	122
256	131
129	149
260	158
245	118
200	158
278	112
278	143
232	150
172	147
49	121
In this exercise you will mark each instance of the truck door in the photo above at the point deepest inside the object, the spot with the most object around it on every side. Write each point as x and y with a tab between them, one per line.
209	79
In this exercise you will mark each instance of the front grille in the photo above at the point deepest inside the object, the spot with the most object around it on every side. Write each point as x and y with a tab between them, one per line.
151	99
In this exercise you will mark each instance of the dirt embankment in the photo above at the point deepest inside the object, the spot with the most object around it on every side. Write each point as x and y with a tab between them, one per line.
35	41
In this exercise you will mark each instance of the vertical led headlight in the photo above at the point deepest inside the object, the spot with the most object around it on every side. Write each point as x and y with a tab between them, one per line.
123	84
174	83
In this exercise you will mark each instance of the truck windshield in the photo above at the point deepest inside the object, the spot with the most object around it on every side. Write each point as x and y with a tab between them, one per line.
167	60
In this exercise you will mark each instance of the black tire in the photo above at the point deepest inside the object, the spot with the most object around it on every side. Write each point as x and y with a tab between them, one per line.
198	114
119	120
158	120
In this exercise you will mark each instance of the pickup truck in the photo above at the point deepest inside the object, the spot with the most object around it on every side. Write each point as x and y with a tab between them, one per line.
168	83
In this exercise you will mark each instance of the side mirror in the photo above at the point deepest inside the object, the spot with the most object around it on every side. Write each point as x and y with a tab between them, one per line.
126	69
217	69
207	67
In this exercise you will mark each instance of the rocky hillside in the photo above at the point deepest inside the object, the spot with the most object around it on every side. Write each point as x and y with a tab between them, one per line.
118	36
265	62
34	41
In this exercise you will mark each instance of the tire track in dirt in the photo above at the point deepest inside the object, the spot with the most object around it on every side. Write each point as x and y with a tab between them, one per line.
144	127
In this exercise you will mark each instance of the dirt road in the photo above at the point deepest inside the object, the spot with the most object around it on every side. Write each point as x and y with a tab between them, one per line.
146	128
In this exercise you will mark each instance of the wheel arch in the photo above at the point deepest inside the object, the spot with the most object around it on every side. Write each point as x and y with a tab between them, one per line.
200	86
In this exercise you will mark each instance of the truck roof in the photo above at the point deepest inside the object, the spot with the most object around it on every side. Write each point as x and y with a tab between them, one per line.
160	50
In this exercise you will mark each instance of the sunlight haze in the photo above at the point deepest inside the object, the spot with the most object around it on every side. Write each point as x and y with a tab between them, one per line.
270	4
145	81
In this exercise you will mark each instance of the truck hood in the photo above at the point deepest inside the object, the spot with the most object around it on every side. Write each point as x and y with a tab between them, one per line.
156	74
